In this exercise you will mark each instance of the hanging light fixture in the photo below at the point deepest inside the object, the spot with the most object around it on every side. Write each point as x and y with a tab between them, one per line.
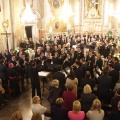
28	16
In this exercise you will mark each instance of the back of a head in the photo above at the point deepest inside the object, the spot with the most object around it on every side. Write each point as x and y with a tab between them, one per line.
17	116
96	105
59	101
76	106
87	89
87	74
105	71
69	87
72	75
55	82
36	116
35	99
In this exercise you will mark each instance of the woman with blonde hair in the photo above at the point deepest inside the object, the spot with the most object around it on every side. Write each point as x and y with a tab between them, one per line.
17	116
96	113
76	113
87	98
37	107
55	92
36	116
73	80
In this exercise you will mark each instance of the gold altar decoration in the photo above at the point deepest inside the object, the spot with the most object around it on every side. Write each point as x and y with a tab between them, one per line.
56	6
5	24
56	25
92	9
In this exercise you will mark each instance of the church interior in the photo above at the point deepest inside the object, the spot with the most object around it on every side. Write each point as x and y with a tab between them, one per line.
55	54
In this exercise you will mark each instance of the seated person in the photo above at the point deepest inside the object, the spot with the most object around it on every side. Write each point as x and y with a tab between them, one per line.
55	92
57	112
87	98
115	115
37	107
96	113
76	113
115	99
17	116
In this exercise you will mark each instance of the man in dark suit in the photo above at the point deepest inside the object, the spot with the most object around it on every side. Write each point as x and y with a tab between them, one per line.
114	75
68	61
98	62
79	54
104	86
87	80
116	64
78	71
101	48
61	77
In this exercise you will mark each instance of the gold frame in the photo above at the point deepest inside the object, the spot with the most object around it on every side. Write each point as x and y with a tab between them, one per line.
61	26
97	9
54	9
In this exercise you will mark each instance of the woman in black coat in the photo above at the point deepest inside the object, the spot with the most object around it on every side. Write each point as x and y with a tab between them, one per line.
87	98
57	112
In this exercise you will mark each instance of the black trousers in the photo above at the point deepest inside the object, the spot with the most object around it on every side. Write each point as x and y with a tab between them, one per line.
14	84
36	88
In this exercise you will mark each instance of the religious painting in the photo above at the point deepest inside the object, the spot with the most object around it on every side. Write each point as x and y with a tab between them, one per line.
92	9
55	6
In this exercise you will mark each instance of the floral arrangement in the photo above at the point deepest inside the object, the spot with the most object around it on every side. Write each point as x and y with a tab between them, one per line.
16	50
48	37
118	36
109	34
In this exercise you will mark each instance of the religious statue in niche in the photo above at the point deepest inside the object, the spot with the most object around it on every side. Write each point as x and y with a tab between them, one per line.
56	25
92	8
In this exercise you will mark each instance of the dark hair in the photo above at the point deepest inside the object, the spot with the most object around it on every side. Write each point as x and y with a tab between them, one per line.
71	75
87	74
77	62
115	58
111	65
33	63
1	60
105	71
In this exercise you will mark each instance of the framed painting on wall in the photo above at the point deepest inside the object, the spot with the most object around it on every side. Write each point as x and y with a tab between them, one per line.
92	9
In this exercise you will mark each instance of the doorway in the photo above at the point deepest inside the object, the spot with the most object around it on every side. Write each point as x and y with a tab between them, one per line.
28	30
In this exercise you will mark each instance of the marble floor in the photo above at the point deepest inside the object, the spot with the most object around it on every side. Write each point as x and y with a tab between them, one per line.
23	104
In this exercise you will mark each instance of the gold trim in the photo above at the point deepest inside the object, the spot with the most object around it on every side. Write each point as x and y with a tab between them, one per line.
57	25
55	6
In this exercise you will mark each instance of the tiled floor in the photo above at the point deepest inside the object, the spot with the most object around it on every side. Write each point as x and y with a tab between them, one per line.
23	104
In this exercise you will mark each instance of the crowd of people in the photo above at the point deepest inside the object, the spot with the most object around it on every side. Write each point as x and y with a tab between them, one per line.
85	67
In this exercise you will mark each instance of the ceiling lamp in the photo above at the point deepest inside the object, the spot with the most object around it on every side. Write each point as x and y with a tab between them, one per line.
27	16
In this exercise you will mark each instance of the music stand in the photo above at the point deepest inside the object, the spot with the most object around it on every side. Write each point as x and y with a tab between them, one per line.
43	74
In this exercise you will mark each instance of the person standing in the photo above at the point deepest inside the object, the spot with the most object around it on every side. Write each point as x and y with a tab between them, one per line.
35	82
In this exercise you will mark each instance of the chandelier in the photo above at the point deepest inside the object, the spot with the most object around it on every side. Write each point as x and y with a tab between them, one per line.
29	15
